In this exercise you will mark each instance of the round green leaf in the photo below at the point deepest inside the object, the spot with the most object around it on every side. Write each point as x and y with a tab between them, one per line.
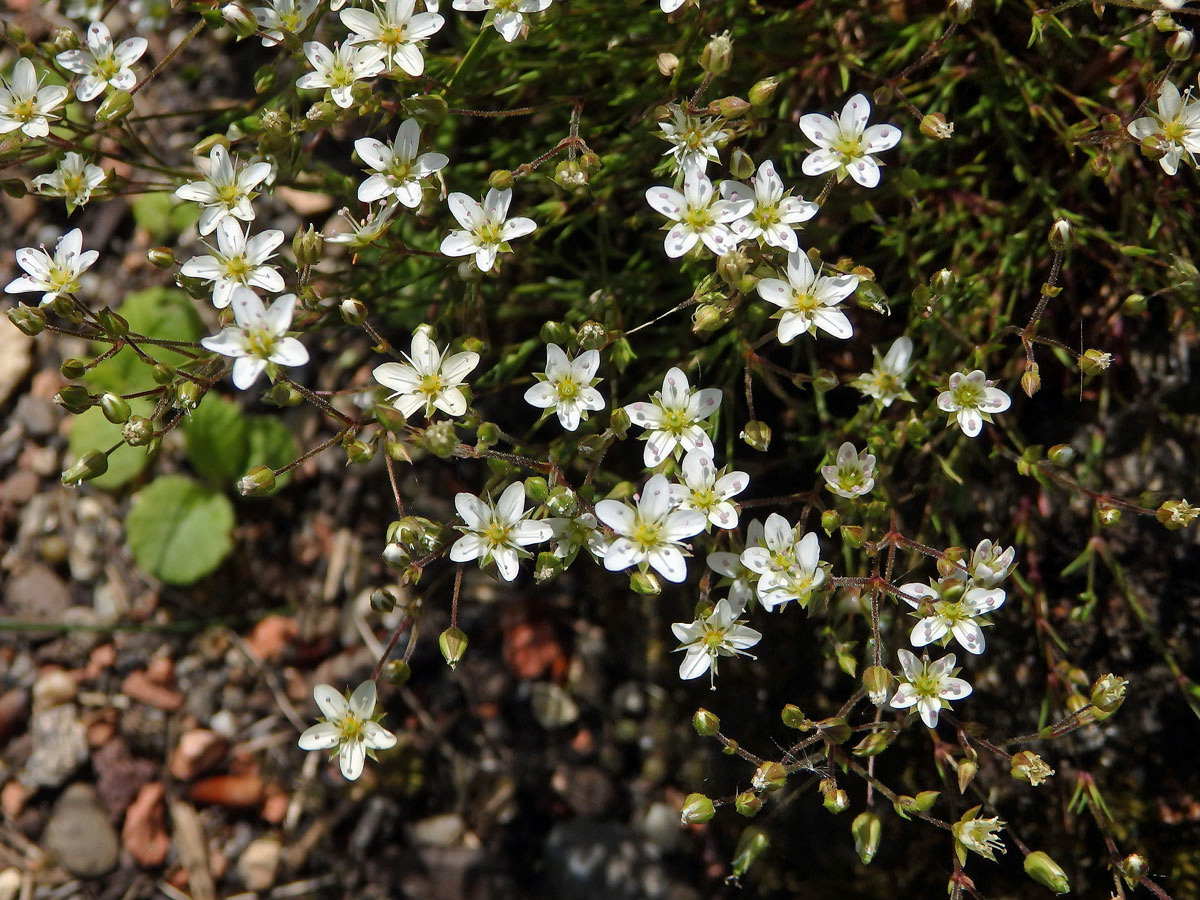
179	530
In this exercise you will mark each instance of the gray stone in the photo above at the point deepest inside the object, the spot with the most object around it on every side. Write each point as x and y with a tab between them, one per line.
59	747
80	834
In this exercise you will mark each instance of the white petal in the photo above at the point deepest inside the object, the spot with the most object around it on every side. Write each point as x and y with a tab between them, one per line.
321	736
332	704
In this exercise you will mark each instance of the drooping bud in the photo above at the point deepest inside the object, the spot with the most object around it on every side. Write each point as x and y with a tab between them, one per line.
1179	45
116	106
667	64
354	312
867	831
73	368
1132	868
872	745
487	435
453	644
645	583
500	179
878	681
769	777
831	521
258	481
1045	871
793	717
74	398
161	257
717	54
750	847
115	408
966	773
29	319
1061	454
836	800
748	804
729	107
757	435
396	672
383	601
961	11
741	165
697	809
1031	381
389	417
90	465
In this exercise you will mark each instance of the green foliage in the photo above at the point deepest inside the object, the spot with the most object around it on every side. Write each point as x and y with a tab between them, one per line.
164	313
91	431
179	530
222	443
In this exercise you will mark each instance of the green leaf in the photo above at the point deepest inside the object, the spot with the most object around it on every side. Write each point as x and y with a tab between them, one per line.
217	440
162	216
91	431
179	530
162	313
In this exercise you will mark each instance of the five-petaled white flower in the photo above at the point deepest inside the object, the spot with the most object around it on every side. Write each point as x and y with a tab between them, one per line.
485	232
950	607
886	381
25	104
773	217
568	386
224	190
720	633
693	139
53	275
364	232
789	566
808	301
650	534
971	399
697	214
102	65
398	168
742	581
237	260
672	418
497	531
852	474
429	379
846	144
339	68
701	488
395	29
74	180
1176	127
510	14
349	727
283	17
928	686
991	564
257	337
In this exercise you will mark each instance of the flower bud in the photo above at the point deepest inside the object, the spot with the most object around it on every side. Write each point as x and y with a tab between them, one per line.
73	368
92	464
453	644
257	482
29	319
1045	871
619	423
239	19
667	64
354	312
501	179
1108	514
116	106
854	536
769	777
707	317
115	409
308	246
761	94
696	809
1132	868
569	174
440	439
961	11
74	398
836	800
264	79
1061	454
867	830
717	54
923	802
966	773
555	332
878	681
1100	165
161	257
793	717
1134	305
835	730
747	804
741	165
1108	693
592	336
396	672
934	125
1093	362
757	435
114	325
645	583
395	556
138	431
1179	45
831	520
729	107
1060	235
427	109
1028	766
750	847
872	745
706	723
282	394
487	435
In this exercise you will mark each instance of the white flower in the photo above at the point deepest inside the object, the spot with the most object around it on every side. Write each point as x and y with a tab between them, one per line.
486	233
429	379
991	564
395	30
650	534
701	489
928	686
809	301
1176	127
367	231
789	566
568	386
581	530
53	275
693	139
672	418
773	215
846	144
74	180
669	6
972	399
350	726
398	168
339	68
224	191
257	337
237	261
886	382
25	104
102	65
950	607
498	531
283	17
852	475
697	214
510	14
720	633
977	834
742	580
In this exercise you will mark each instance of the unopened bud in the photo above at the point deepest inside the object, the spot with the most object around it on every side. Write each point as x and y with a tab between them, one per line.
487	435
854	536
1028	766
793	717
667	64
73	368
769	777
967	769
757	435
747	804
1061	454
161	257
592	336
934	125
29	319
114	325
259	480
645	583
1093	362
359	452
116	106
441	439
923	802
501	179
706	723
1108	693
397	672
707	317
389	417
762	92
717	54
92	464
740	163
878	681
1059	235
427	109
961	11
831	520
354	312
453	644
942	280
729	107
835	729
137	431
74	398
1132	868
867	830
239	19
1179	44
115	408
264	79
1100	165
1031	381
1134	304
750	846
383	601
308	246
872	745
697	809
1045	871
836	800
1108	514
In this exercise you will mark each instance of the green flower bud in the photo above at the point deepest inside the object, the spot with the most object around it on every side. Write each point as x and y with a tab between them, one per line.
873	744
622	354
854	535
1108	514
747	804
161	257
619	423
836	801
717	54
1031	381
1045	871
115	409
867	830
757	435
93	463
761	94
396	556
359	452
831	520
750	846
741	166
961	11
1100	165
1028	766
114	325
1060	235
967	768
138	431
793	717
383	601
554	332
707	317
1132	868
389	417
1061	454
453	644
878	681
769	777
116	106
729	107
696	809
706	723
396	672
73	368
257	481
440	439
29	319
487	435
942	281
308	245
501	179
835	730
645	583
74	398
354	312
264	79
